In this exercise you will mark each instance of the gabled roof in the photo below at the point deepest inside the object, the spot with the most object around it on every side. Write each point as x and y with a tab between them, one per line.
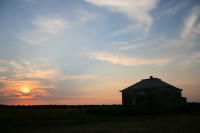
151	83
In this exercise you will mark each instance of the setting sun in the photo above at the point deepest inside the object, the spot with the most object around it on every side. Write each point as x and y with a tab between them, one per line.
25	89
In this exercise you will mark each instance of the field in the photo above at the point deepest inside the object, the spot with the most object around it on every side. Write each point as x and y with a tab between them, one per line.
99	120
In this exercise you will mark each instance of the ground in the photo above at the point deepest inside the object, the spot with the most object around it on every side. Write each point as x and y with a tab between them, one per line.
76	120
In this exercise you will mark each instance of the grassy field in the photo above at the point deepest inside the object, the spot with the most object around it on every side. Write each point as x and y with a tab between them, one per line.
96	120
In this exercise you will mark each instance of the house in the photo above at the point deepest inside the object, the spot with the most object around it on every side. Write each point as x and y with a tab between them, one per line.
152	91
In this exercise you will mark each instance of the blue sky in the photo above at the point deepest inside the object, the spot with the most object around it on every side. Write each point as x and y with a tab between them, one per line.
85	51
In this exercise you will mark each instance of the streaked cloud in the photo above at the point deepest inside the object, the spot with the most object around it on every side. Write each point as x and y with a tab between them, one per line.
2	78
175	8
53	25
45	28
30	69
140	44
42	74
80	77
13	90
192	24
189	61
34	37
126	61
85	16
138	11
132	46
3	69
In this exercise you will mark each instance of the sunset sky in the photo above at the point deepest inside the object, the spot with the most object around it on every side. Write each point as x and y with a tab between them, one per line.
85	51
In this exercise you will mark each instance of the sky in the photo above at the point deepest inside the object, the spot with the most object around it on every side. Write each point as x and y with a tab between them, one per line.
85	51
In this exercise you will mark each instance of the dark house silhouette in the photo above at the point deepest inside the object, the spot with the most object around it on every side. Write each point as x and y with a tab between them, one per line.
152	91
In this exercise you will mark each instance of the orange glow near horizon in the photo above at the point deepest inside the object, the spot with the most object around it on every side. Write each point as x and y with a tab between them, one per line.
20	92
35	93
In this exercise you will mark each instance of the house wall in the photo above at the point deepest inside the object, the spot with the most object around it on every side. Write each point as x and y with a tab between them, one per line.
168	97
127	98
162	96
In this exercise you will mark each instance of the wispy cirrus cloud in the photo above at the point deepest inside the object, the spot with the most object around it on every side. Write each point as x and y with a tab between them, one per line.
85	16
38	69
28	70
126	61
3	69
80	77
42	74
140	44
51	25
44	29
174	8
189	61
188	39
137	11
192	23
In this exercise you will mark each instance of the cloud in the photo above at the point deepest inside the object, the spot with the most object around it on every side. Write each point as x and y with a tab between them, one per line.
50	24
1	84
136	10
42	74
29	70
2	78
28	1
34	37
140	44
3	69
80	77
36	75
192	23
13	89
45	28
44	82
189	61
186	44
85	16
132	46
38	69
174	8
127	29
126	61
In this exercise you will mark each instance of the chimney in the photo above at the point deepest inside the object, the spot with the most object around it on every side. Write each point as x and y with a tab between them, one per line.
151	77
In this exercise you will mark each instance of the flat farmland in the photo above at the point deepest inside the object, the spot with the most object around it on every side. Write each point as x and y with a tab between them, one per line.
76	120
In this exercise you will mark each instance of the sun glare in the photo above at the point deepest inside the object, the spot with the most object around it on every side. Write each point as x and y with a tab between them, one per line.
25	89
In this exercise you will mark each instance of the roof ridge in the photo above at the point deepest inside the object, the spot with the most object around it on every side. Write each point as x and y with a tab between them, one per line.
152	79
149	84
